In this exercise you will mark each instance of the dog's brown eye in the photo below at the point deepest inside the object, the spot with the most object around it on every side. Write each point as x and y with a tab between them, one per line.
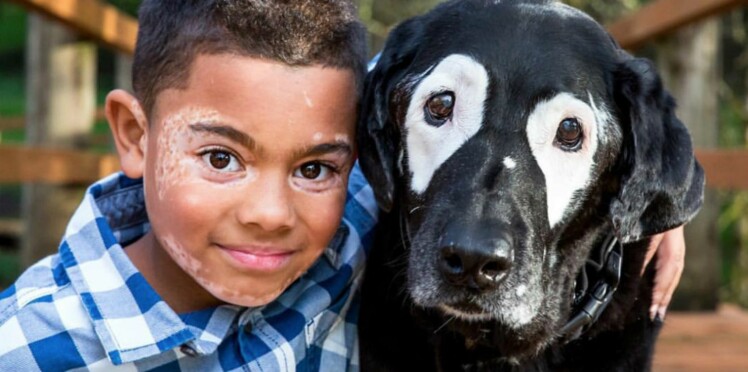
569	134
439	108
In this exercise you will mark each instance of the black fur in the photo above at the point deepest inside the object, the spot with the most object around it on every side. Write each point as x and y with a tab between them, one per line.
645	181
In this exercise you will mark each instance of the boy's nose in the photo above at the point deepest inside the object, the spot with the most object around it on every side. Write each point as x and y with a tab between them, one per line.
268	205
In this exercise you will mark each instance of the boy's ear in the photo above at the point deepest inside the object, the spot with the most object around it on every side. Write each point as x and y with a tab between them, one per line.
129	129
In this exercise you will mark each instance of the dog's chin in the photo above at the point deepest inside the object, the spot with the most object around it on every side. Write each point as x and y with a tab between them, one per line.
482	329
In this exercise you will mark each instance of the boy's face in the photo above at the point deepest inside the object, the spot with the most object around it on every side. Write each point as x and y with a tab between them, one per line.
246	172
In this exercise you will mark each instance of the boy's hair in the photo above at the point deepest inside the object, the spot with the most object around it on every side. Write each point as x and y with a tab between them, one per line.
293	32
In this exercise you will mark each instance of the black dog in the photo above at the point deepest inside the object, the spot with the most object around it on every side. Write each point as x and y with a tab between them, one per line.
523	159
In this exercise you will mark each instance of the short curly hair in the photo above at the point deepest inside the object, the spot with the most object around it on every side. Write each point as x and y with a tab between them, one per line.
293	32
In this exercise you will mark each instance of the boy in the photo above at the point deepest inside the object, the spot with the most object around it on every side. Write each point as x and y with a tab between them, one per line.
221	246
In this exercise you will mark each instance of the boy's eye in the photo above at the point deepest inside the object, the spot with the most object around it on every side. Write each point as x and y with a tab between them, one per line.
313	171
221	160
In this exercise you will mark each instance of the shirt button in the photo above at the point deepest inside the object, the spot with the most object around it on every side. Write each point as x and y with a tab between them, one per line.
248	327
188	350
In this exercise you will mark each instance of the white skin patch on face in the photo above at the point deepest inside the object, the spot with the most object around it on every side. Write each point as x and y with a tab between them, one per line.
520	308
552	260
308	100
175	160
566	172
429	146
521	290
342	138
513	309
509	163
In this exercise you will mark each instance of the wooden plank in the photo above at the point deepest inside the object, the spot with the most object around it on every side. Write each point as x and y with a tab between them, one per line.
93	18
12	123
663	16
11	227
57	166
725	169
18	122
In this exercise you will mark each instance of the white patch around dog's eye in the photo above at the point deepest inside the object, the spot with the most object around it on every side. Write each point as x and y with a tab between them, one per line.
567	170
446	109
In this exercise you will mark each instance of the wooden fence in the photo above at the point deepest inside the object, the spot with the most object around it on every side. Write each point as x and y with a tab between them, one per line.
725	169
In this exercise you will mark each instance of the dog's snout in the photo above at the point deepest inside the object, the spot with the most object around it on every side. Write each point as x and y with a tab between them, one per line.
480	267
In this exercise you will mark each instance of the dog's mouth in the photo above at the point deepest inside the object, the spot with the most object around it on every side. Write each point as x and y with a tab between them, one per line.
483	331
466	310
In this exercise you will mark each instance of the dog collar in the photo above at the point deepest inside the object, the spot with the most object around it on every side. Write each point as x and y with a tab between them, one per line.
604	267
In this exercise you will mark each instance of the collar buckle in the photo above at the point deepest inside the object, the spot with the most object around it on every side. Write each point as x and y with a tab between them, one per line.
589	303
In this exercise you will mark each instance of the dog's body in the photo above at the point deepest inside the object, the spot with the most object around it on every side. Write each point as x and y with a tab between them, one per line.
507	140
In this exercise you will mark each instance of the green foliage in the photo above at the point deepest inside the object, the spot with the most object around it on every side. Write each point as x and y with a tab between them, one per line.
9	268
12	90
128	6
12	28
733	133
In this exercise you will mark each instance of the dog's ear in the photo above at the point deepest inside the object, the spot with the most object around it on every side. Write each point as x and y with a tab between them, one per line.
662	185
378	134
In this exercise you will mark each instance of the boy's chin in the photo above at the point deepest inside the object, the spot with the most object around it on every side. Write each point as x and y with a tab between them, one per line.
250	295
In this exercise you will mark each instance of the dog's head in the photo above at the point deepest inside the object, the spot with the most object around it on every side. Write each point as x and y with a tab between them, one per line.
511	136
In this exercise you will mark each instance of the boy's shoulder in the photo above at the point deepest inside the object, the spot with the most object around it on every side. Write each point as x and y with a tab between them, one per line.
40	283
42	319
51	317
361	208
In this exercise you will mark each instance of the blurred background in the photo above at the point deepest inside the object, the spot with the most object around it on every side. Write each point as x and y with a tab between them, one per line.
58	60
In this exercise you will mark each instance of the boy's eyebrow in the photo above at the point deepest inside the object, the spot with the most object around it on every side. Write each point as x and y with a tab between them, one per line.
325	148
226	131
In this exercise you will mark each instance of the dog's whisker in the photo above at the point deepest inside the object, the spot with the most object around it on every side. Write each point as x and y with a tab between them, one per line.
451	318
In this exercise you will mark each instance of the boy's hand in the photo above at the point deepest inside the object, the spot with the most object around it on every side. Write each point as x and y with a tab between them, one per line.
671	250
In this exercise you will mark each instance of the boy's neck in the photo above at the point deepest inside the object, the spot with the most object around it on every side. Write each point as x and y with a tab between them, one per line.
182	293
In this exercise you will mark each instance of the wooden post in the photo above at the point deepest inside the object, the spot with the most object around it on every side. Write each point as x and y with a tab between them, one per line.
688	62
61	103
123	72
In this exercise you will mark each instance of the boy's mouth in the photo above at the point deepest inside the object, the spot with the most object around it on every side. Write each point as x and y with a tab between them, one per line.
259	258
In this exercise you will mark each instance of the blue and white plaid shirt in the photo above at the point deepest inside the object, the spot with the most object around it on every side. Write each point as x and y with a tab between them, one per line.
89	308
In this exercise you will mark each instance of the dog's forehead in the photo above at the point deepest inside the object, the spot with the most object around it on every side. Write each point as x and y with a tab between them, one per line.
513	37
555	8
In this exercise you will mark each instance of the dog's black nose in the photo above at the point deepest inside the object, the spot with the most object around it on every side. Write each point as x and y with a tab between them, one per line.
480	267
